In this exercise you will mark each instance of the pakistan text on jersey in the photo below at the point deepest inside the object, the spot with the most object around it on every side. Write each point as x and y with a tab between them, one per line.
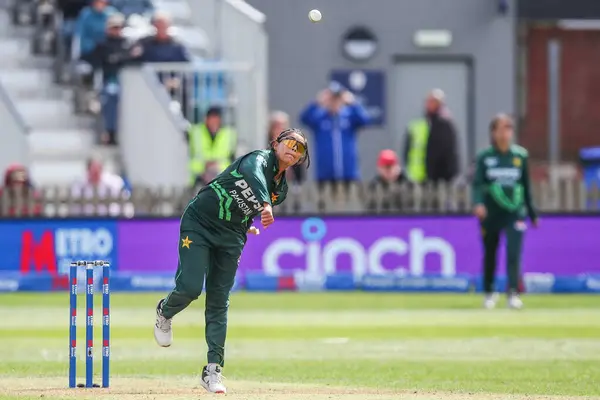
504	173
247	196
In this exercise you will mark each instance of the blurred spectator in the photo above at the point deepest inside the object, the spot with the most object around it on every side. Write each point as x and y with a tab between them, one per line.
103	186
162	47
430	148
110	56
18	196
130	7
389	170
278	122
389	173
212	147
90	28
334	119
70	11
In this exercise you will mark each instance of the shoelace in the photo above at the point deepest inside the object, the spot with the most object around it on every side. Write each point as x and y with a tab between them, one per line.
215	377
164	324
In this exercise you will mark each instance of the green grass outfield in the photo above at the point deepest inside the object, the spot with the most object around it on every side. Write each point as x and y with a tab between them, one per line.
316	346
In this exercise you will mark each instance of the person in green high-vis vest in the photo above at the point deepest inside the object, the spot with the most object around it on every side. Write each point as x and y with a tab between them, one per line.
503	201
430	145
212	147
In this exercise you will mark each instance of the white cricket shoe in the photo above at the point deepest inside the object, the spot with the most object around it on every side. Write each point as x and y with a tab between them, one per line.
490	301
163	334
212	379
515	302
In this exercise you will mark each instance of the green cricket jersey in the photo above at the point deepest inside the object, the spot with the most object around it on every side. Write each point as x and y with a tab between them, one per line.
501	183
237	195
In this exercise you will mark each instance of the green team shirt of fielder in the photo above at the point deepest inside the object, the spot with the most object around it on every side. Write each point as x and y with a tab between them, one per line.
502	184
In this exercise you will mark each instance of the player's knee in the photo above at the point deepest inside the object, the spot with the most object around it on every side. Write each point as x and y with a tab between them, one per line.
193	290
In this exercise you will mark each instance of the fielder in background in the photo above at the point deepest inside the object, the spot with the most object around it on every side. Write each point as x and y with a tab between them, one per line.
502	198
213	233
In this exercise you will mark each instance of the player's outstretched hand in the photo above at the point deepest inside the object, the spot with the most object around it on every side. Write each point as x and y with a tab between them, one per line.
480	211
254	230
266	216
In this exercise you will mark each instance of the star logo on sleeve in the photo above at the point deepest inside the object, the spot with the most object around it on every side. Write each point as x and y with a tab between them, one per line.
186	242
274	197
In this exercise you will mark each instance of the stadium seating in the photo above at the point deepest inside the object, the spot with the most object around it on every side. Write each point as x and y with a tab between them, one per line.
58	96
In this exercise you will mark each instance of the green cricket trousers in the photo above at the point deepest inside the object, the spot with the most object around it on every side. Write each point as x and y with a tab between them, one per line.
212	252
491	230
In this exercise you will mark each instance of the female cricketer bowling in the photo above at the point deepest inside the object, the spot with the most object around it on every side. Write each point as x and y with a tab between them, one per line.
502	198
213	232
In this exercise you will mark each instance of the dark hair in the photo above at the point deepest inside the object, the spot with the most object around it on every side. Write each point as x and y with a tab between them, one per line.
285	134
214	111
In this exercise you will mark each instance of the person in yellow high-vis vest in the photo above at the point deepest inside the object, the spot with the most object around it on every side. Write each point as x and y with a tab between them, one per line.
416	150
212	147
430	150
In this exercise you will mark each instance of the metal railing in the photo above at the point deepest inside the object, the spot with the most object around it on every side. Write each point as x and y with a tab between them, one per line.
233	86
568	196
237	34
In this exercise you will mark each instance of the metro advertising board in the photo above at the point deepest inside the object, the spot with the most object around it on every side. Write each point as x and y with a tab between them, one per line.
33	246
303	248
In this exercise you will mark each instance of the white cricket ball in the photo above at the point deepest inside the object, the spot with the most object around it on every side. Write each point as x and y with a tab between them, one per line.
315	15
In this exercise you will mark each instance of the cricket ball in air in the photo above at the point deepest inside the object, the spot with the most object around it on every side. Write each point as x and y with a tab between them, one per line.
315	15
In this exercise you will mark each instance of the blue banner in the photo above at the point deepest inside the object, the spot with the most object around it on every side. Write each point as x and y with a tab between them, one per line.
49	246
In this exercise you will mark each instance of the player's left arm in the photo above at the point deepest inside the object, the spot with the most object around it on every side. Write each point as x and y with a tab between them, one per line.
526	182
478	185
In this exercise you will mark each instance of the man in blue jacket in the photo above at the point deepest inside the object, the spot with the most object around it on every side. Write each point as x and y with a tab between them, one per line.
334	119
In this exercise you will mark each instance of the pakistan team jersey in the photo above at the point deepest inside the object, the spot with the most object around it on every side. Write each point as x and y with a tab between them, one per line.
502	183
237	195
